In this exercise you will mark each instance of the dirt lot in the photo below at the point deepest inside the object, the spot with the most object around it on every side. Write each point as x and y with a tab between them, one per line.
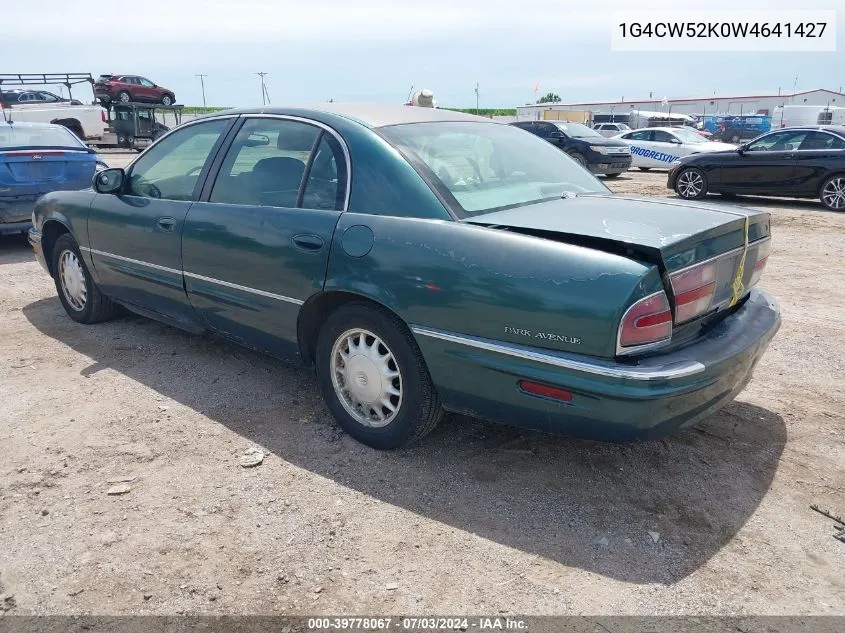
475	519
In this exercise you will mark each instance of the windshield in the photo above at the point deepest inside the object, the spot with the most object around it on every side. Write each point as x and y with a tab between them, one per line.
576	130
688	136
47	136
483	167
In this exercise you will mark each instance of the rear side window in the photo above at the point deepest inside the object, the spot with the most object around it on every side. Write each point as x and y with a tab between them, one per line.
282	163
822	140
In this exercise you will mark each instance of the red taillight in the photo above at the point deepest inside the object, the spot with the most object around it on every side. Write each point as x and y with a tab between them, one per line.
546	391
649	320
103	116
762	257
693	288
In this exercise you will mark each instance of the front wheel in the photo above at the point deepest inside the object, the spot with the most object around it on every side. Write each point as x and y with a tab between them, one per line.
374	379
611	175
643	168
79	295
579	158
691	184
833	193
167	100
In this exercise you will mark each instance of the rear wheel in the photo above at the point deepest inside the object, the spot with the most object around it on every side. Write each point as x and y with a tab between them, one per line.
80	296
833	193
374	379
611	175
124	97
691	184
643	168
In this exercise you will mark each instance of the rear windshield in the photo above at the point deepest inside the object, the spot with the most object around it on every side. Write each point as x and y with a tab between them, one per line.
482	167
23	136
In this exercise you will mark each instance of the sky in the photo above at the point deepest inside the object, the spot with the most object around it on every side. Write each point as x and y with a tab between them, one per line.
361	50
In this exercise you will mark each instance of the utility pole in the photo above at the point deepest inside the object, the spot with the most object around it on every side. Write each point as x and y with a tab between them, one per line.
264	95
202	83
476	97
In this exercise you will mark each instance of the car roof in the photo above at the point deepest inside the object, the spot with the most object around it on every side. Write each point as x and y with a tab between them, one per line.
30	125
372	115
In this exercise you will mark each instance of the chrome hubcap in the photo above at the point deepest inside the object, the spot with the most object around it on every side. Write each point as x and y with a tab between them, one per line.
690	184
834	193
73	280
366	378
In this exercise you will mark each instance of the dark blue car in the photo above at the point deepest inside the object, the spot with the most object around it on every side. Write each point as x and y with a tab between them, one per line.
37	158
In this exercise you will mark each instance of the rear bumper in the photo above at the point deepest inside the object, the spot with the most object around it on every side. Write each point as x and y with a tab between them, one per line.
611	401
7	228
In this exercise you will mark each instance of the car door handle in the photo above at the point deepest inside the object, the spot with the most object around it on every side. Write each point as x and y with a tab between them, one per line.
166	224
308	242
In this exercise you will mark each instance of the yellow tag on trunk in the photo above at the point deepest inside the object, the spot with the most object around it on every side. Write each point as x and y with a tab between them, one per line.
738	287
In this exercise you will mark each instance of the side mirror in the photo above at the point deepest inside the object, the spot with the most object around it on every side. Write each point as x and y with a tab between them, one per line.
557	134
741	149
109	180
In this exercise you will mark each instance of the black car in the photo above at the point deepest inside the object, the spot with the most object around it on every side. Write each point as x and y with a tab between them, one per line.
797	162
593	151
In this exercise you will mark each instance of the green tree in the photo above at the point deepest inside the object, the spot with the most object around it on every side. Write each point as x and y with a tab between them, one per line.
549	97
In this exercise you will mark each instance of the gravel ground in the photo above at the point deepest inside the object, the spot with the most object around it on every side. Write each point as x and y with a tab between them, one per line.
477	518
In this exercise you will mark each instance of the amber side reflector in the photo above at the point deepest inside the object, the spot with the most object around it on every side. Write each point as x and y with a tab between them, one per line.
537	389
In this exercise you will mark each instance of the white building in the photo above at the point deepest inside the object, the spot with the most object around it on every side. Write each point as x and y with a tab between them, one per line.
764	104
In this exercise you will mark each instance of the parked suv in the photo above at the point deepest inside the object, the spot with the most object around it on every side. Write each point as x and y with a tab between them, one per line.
129	88
610	129
594	152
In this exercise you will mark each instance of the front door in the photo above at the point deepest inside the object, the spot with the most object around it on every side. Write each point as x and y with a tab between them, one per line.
135	238
766	166
256	246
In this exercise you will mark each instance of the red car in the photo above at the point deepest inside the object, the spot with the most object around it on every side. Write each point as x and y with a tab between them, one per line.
129	88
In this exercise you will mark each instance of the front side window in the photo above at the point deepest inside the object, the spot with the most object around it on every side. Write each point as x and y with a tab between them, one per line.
664	137
641	135
778	142
146	82
266	163
484	167
171	169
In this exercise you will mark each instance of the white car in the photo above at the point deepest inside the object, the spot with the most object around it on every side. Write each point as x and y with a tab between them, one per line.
659	147
610	129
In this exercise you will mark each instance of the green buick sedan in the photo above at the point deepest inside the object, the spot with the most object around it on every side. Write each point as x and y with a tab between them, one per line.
423	261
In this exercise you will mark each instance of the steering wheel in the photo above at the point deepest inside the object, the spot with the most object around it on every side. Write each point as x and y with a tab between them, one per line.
476	170
153	191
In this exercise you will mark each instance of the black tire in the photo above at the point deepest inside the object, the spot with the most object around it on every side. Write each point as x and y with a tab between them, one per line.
97	307
612	175
124	97
831	192
167	99
691	184
643	168
579	158
419	409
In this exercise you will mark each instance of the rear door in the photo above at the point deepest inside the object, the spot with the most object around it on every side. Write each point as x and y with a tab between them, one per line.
766	166
135	238
819	154
257	245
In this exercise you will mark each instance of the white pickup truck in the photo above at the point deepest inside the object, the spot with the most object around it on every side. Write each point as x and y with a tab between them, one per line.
88	122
